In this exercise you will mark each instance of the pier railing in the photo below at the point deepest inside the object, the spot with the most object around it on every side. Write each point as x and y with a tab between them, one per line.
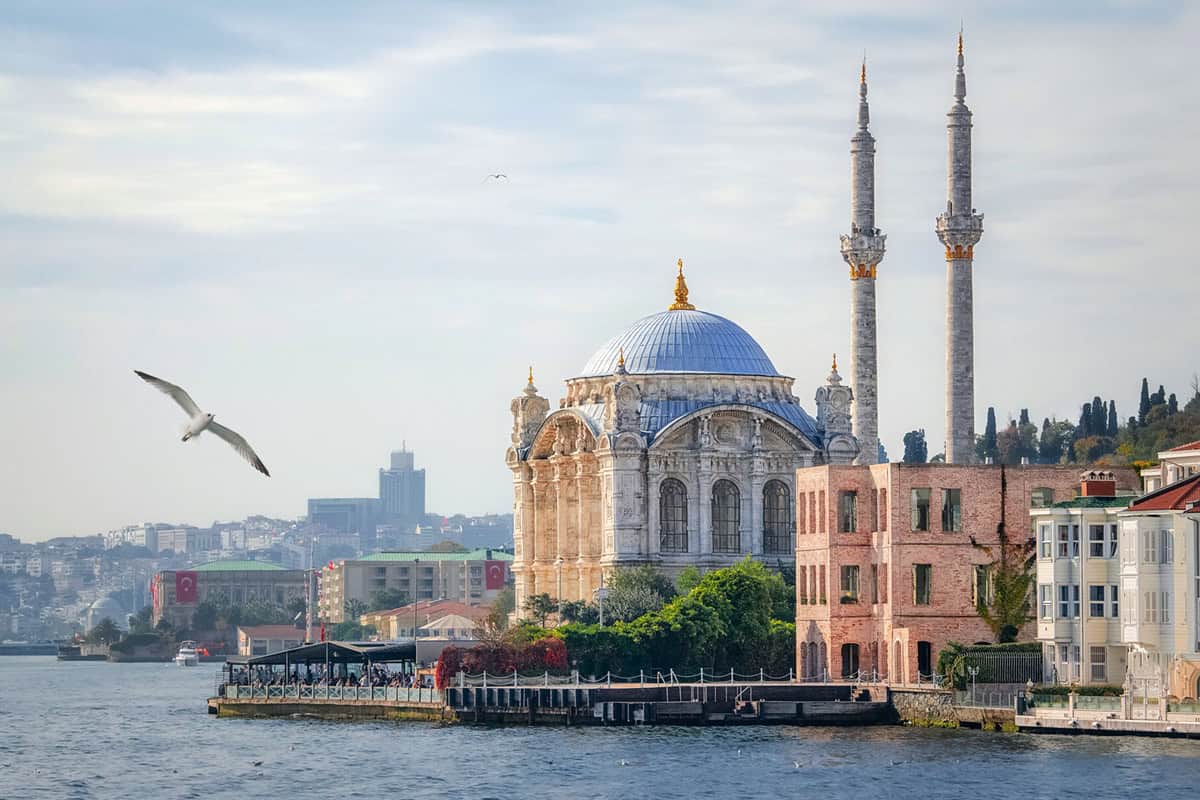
394	694
642	678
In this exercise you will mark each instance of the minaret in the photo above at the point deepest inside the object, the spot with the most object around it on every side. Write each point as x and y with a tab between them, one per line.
959	229
863	250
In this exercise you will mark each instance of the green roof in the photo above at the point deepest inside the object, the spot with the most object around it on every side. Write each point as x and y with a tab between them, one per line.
417	555
1097	502
234	565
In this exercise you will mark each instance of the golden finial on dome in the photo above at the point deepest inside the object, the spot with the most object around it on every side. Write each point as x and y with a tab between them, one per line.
960	32
862	78
531	373
681	292
834	362
621	357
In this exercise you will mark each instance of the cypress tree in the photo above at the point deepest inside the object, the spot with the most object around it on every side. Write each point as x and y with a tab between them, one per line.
1159	397
1084	428
1048	451
1112	418
1024	417
1172	405
1099	416
989	434
1144	404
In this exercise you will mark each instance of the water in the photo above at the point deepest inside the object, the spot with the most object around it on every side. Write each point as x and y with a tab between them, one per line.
97	730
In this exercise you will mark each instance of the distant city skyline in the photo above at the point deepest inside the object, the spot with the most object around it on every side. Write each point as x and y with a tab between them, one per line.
284	209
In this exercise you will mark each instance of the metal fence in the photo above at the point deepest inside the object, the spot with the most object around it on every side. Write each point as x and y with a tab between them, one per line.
642	678
990	666
987	697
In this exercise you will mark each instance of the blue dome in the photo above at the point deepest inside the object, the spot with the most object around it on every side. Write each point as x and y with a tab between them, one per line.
682	341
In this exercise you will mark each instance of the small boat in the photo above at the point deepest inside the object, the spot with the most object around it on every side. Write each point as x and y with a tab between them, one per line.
187	655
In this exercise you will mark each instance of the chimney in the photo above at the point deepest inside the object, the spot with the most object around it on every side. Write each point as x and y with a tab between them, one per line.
1097	483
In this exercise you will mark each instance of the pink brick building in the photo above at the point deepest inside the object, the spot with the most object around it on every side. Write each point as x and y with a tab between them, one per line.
891	558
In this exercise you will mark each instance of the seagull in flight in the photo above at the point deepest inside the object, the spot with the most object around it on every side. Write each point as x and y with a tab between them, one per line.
202	421
495	176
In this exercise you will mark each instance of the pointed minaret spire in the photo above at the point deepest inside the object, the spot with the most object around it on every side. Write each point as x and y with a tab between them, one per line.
959	229
862	250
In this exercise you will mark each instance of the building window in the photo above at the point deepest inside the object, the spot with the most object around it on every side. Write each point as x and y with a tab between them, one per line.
850	584
1096	543
920	509
1045	541
1068	541
1112	540
883	583
1096	600
800	513
1099	664
821	516
726	517
1166	547
848	512
812	512
802	586
1150	607
849	660
777	517
951	510
1114	607
922	578
1046	598
1068	601
1165	608
1041	497
981	586
883	511
672	516
874	583
823	595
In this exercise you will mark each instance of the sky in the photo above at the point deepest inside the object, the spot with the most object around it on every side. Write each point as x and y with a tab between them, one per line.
281	206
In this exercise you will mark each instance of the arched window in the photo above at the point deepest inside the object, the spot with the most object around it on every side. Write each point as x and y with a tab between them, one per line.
777	517
726	517
849	661
672	516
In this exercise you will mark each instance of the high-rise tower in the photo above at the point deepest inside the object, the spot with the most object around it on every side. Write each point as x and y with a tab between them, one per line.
862	250
959	229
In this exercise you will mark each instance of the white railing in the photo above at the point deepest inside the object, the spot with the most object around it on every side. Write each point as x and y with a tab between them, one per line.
390	694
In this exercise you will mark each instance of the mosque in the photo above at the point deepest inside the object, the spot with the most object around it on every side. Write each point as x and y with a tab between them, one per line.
677	443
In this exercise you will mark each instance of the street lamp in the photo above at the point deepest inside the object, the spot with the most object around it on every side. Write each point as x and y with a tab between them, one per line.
973	671
601	593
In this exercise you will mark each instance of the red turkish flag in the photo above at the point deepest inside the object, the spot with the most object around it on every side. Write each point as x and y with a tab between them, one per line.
494	570
185	587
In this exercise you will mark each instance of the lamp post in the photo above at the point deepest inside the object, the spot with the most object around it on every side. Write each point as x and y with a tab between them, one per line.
973	671
601	593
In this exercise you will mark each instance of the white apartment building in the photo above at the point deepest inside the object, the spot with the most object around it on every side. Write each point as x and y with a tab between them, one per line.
1173	465
1079	595
1160	589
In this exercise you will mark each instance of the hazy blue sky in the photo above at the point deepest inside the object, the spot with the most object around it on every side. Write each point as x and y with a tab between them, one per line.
279	206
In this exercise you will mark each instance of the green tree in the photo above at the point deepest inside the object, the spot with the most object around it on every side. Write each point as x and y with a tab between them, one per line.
354	609
687	579
141	621
1005	608
985	446
915	449
352	631
1144	402
1112	428
1084	428
1172	405
505	601
105	632
384	599
579	611
204	618
297	605
635	591
540	606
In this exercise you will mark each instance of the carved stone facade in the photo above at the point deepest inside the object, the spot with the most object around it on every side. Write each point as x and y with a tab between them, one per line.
686	459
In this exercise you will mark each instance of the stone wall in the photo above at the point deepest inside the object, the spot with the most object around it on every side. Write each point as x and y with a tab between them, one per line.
926	708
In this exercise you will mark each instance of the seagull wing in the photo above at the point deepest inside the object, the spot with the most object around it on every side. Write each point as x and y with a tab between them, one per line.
171	390
238	443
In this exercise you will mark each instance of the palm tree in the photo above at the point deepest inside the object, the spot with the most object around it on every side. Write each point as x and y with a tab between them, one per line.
105	632
354	609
